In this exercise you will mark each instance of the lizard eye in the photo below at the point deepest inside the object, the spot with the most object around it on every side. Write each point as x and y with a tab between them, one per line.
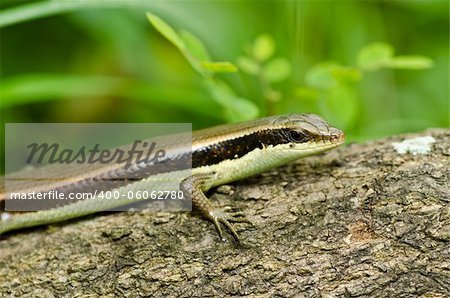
297	136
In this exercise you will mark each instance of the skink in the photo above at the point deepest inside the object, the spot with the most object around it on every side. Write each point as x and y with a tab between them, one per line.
220	155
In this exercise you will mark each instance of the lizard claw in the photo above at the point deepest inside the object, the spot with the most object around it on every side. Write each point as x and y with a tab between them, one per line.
218	217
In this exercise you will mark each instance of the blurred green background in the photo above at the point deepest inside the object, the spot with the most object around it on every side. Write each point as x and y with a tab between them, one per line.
372	68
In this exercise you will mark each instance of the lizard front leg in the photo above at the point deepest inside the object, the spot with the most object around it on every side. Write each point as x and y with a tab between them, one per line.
194	187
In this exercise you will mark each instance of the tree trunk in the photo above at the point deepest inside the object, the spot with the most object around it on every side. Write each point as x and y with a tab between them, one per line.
362	220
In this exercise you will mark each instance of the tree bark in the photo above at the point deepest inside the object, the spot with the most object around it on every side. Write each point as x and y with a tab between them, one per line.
362	220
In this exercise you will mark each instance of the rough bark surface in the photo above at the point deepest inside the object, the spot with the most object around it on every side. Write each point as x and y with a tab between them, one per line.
362	220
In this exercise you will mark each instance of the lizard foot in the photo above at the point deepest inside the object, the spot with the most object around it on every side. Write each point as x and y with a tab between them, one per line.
218	216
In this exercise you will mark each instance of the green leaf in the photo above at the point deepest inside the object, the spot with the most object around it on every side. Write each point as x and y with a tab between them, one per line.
321	75
31	10
235	108
195	46
224	66
263	47
306	93
242	110
43	87
192	48
341	106
378	55
277	70
410	62
347	74
248	65
375	56
189	45
273	95
166	30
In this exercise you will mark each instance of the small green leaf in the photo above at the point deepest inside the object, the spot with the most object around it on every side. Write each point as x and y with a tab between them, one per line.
189	45
410	62
165	30
248	65
194	46
321	75
277	70
273	95
224	66
235	108
219	91
263	47
307	93
347	74
341	106
241	110
375	56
